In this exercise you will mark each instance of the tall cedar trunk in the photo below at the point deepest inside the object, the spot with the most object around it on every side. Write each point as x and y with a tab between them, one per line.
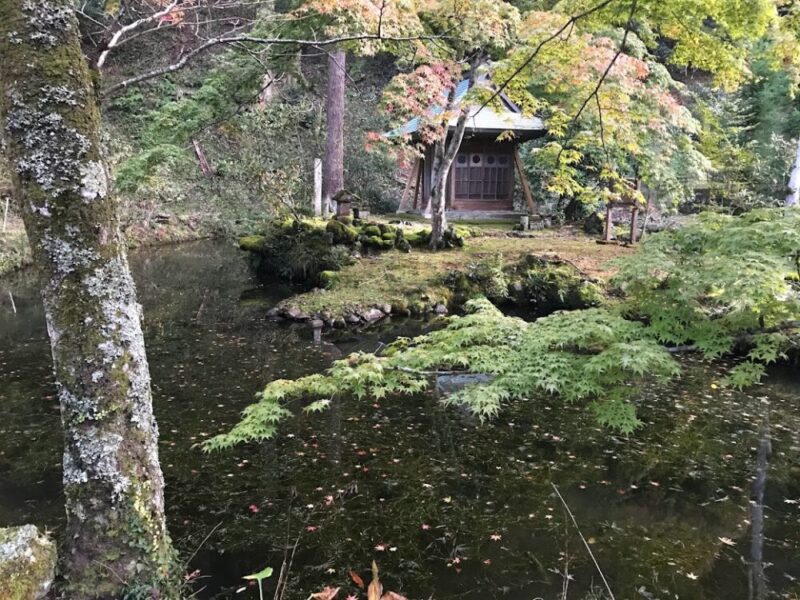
116	537
333	173
793	198
444	154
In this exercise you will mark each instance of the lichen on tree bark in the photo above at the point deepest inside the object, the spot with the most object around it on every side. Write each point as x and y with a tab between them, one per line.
116	536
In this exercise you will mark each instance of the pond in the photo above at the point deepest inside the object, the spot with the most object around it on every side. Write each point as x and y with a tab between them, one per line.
702	502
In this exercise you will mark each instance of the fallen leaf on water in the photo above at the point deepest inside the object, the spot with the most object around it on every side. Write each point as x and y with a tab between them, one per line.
691	576
727	541
357	579
375	589
262	574
328	593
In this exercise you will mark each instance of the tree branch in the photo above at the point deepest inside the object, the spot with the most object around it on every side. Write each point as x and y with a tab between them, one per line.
596	91
744	338
176	66
611	63
115	39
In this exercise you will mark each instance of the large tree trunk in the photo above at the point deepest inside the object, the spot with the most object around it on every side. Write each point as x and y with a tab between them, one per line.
116	536
793	198
333	175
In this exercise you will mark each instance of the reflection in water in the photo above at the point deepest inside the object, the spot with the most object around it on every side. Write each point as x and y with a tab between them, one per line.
446	505
758	580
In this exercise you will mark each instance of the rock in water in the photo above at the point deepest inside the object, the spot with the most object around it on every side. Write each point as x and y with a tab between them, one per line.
372	314
27	563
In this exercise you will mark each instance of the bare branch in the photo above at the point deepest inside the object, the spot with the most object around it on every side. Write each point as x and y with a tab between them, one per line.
231	39
115	39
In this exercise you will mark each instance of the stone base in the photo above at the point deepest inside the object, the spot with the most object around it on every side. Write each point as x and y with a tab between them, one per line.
27	563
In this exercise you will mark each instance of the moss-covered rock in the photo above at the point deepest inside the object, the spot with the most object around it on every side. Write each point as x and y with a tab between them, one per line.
418	239
341	232
27	563
252	243
371	231
557	285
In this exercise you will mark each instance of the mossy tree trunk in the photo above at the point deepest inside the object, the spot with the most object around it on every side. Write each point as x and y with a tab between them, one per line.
116	537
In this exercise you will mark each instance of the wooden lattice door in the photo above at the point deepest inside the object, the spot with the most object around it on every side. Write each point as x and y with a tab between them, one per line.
482	177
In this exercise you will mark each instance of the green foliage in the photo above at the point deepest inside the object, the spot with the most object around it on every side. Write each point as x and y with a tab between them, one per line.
634	125
308	249
258	578
718	284
749	135
167	129
582	355
489	276
299	250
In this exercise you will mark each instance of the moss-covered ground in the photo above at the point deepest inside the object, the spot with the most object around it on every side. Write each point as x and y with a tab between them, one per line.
418	279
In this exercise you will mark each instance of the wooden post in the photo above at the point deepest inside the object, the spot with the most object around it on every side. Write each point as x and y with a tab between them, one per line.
634	224
419	180
609	222
526	190
317	187
5	216
412	177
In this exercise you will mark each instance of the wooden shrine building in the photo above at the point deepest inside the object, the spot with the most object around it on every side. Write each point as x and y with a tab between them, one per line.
482	175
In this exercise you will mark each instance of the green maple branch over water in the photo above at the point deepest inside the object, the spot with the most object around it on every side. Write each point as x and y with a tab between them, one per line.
716	285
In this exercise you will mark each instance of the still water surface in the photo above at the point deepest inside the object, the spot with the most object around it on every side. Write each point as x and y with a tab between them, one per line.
703	502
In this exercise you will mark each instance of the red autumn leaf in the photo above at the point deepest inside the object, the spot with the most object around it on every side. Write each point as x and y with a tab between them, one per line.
357	579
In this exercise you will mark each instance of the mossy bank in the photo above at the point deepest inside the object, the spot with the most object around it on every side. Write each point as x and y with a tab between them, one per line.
355	283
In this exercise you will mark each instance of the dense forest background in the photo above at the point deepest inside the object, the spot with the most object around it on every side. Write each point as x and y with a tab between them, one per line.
256	116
